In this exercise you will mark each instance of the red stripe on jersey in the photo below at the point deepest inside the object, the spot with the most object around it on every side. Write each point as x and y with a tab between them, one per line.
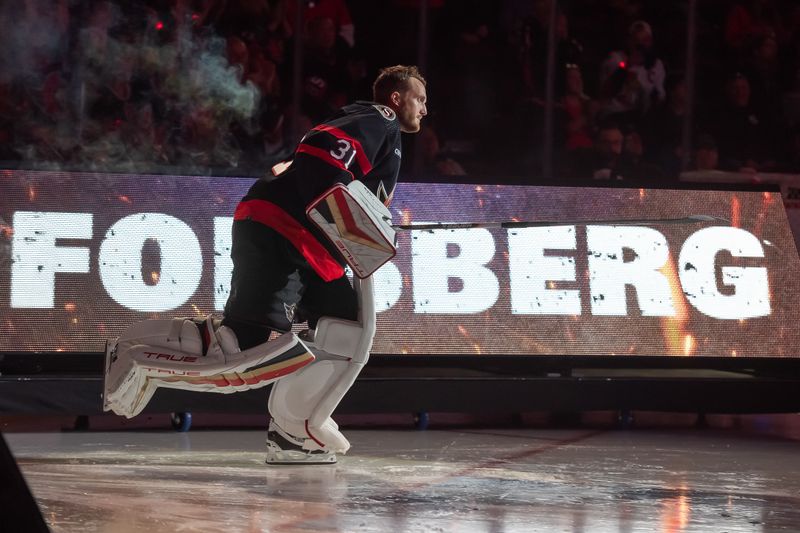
361	157
276	218
319	153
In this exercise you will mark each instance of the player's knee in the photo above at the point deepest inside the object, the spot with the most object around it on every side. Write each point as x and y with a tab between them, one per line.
341	337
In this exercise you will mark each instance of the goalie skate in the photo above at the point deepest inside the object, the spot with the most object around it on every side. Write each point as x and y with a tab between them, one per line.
285	449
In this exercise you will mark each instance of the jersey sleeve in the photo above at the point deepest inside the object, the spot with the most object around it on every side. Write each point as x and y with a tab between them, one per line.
339	152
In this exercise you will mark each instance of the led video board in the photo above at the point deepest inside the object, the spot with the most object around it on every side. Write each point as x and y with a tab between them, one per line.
84	255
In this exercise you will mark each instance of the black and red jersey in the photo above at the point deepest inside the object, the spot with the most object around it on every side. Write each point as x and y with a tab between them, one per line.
362	141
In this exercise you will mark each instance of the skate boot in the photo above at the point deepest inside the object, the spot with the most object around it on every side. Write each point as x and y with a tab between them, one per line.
286	449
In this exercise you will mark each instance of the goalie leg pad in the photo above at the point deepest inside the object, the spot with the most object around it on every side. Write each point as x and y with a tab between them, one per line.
134	369
302	404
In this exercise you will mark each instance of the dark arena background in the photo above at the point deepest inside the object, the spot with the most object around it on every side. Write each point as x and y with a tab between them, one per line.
629	361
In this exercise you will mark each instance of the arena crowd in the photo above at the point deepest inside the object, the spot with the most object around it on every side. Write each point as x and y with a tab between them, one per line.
208	86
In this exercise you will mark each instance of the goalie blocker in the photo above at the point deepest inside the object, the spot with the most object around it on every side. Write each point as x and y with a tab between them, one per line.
358	224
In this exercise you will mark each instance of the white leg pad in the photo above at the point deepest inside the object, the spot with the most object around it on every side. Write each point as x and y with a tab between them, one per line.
151	354
302	403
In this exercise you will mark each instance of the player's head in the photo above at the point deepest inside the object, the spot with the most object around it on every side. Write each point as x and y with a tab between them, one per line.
403	89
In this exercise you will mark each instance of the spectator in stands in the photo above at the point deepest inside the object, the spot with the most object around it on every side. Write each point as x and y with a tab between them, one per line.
326	80
607	151
142	136
748	21
632	164
513	16
662	128
238	56
108	84
577	126
253	66
621	97
334	10
573	83
267	144
250	20
617	155
745	135
706	155
579	110
763	70
601	161
471	56
534	49
640	61
434	161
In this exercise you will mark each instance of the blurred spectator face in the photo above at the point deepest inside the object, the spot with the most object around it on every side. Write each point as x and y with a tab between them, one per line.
641	41
275	50
237	52
706	158
316	88
739	92
574	81
201	125
768	49
633	144
322	33
357	69
641	36
609	141
410	106
678	93
264	74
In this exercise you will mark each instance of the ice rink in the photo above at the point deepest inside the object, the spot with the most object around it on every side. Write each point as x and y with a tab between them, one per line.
737	475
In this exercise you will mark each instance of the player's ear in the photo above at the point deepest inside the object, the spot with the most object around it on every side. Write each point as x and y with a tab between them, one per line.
395	98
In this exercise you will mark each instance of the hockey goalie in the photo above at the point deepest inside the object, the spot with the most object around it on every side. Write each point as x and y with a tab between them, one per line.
312	371
293	235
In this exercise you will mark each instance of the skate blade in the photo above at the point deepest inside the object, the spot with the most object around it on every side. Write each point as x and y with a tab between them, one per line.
300	458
